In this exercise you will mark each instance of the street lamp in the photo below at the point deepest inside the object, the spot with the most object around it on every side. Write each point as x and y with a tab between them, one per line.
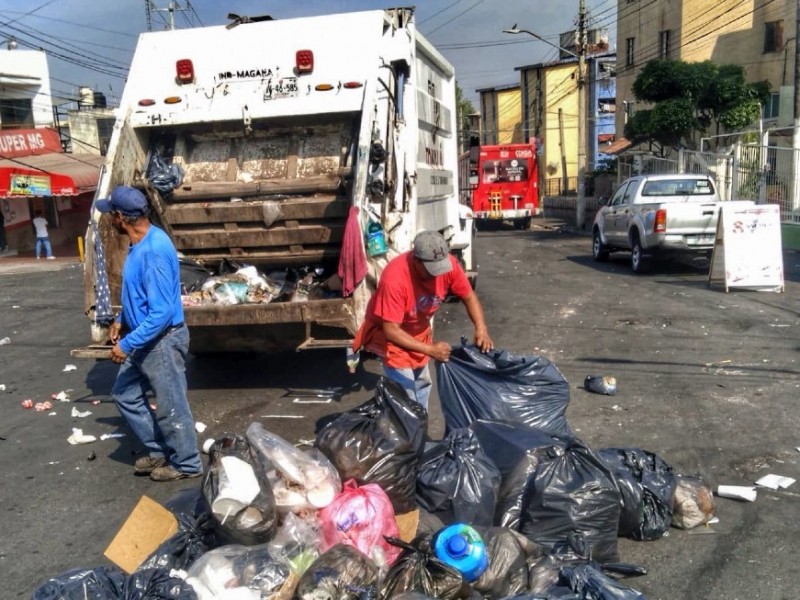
580	212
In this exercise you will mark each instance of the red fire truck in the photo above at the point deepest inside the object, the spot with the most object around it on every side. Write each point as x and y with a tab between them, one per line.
500	183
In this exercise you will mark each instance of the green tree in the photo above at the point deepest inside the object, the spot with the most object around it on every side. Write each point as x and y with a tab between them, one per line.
688	99
464	109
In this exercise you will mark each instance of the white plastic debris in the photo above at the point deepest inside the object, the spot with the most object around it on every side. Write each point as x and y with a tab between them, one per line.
78	437
110	436
52	414
78	414
207	445
2	387
200	427
737	492
5	340
62	396
282	417
69	368
774	482
312	401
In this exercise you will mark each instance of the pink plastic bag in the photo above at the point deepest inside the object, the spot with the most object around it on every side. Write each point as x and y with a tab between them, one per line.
361	517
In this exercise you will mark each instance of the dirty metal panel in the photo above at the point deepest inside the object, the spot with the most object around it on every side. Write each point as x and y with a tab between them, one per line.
253	212
334	311
258	237
264	158
207	161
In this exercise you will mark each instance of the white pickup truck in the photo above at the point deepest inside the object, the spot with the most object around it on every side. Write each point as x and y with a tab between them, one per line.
652	215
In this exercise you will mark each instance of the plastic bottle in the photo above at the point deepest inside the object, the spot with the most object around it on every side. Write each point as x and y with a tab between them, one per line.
461	547
353	358
376	239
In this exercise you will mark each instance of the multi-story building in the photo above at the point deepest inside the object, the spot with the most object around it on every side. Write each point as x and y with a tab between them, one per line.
758	35
500	115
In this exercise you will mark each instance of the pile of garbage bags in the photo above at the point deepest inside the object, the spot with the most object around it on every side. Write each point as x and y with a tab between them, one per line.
544	510
236	284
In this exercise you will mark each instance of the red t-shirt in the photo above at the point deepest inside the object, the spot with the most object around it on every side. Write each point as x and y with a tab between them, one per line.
402	297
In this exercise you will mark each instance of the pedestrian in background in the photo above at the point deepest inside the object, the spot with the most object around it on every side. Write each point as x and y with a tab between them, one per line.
3	242
151	342
397	325
42	236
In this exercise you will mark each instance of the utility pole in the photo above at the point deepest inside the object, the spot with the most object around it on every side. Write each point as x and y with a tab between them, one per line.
171	8
580	209
796	130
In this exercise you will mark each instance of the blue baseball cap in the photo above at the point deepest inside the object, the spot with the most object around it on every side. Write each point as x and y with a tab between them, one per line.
127	200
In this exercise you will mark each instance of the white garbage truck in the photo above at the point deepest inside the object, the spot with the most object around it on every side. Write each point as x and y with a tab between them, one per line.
278	128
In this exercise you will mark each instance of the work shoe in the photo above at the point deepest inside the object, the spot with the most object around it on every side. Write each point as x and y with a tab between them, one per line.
170	473
146	464
51	258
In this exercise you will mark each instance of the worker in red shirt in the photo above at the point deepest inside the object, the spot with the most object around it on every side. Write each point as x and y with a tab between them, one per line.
397	325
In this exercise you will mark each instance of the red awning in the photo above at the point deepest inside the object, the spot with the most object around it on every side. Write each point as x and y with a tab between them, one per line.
49	175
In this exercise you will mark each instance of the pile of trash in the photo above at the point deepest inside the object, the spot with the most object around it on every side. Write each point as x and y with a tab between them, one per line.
510	504
236	284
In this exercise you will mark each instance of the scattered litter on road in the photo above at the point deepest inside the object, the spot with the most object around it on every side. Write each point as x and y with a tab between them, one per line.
737	492
312	401
5	340
774	482
91	456
111	436
69	368
95	402
207	445
27	403
200	427
78	414
313	393
62	396
601	384
78	437
2	387
52	414
282	416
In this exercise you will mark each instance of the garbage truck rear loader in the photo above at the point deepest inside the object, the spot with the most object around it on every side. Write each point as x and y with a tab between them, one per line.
279	128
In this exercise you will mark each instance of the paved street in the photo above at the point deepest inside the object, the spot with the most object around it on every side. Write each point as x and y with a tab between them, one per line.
706	379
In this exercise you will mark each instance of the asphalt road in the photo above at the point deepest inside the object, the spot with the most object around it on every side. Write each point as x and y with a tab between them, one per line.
706	379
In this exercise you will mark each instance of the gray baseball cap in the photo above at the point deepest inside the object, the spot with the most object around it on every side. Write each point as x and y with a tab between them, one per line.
432	249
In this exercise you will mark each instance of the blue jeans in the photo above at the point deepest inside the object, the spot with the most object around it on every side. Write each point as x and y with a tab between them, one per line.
169	430
416	382
45	241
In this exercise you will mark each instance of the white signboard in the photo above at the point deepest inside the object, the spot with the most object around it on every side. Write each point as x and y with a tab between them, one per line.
748	252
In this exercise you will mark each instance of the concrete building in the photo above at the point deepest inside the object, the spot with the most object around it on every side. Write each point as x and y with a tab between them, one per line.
501	112
757	35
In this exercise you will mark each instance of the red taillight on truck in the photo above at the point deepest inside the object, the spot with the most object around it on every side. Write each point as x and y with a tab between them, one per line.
660	226
304	61
184	70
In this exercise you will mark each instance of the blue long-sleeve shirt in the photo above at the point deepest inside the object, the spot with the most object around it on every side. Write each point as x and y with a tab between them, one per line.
151	290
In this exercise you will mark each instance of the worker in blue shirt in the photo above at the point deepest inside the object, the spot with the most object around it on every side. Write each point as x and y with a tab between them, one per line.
151	343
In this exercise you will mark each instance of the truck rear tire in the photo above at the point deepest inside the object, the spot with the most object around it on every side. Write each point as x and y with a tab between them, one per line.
522	224
639	262
599	249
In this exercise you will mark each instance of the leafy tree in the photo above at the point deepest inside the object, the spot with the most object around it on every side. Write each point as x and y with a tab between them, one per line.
464	109
689	98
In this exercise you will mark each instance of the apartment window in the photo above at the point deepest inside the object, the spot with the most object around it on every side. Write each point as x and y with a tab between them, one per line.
773	36
16	114
772	107
663	44
629	48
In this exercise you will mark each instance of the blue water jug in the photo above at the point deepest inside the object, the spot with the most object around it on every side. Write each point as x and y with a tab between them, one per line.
461	547
376	239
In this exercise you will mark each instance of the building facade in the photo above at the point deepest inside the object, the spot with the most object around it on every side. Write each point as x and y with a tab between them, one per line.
501	111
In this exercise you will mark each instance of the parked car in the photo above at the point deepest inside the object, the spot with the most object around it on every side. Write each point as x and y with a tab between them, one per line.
652	215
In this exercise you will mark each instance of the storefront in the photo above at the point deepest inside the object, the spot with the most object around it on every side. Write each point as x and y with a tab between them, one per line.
36	176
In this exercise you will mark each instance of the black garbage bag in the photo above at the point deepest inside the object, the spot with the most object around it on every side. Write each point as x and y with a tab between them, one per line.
417	569
195	534
547	574
341	573
516	450
110	583
509	554
164	174
573	491
590	583
646	484
193	275
256	522
457	481
501	386
380	442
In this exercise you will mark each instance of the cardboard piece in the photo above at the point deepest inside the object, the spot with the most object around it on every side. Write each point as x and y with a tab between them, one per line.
408	523
145	529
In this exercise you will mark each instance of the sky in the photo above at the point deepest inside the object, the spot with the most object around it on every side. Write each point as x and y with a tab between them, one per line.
91	42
